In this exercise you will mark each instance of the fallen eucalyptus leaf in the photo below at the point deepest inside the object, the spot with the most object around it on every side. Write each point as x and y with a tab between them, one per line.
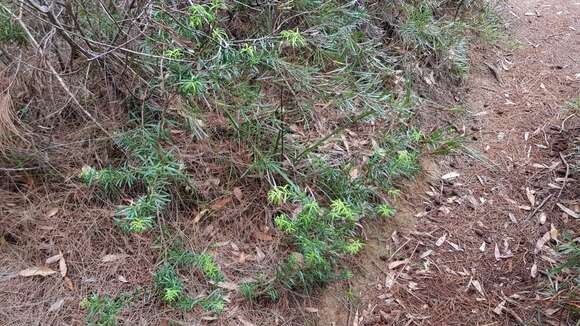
36	271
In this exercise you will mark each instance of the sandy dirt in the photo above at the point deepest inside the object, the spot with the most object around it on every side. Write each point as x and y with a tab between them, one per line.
471	257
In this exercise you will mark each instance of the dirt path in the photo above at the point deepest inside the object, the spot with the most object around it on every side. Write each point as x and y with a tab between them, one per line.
472	257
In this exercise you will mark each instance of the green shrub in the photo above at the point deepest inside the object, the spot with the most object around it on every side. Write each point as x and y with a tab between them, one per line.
150	166
103	310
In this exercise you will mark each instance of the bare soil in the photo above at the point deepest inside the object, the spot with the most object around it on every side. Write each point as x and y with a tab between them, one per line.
470	257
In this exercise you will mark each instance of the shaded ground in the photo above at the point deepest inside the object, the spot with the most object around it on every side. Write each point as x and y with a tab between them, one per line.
471	259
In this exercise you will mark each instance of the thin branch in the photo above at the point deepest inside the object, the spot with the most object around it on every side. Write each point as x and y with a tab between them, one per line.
52	70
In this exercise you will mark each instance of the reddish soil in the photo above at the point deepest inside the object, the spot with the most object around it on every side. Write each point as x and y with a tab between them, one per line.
471	258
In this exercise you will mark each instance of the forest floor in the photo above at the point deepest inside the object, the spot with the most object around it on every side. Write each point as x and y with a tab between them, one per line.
469	248
474	240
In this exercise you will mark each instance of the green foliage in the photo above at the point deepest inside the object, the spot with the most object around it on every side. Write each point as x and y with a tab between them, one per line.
149	166
568	274
294	38
571	251
386	210
574	105
214	302
10	31
442	39
335	182
278	195
269	76
487	25
103	311
443	142
208	267
321	235
261	288
169	284
396	157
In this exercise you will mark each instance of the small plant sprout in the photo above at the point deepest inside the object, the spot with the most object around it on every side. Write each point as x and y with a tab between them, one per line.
248	290
416	135
103	310
194	86
346	275
293	38
278	195
340	210
284	224
250	53
171	294
88	174
393	193
173	53
386	210
353	247
199	16
208	267
220	36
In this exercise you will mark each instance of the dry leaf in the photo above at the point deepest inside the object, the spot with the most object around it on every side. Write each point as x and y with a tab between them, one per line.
441	240
220	203
513	218
69	283
542	218
413	286
455	246
568	211
62	267
397	263
534	270
496	253
390	280
200	215
245	322
426	254
238	193
353	173
311	310
531	196
552	311
553	232
263	236
259	254
228	286
499	309
450	175
52	212
541	242
53	259
122	278
482	247
36	271
112	257
56	306
478	287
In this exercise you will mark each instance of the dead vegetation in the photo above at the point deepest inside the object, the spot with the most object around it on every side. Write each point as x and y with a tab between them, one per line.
166	162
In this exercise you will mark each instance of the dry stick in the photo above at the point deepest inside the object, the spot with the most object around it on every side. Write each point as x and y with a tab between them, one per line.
52	70
539	206
567	173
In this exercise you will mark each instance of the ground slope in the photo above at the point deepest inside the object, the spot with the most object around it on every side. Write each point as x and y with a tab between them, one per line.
475	256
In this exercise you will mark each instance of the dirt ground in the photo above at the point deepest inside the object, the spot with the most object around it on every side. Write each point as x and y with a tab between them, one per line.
472	257
463	249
